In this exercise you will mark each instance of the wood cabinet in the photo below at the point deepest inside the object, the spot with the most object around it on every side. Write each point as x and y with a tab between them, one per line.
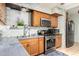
31	45
35	18
26	44
58	41
2	13
54	21
44	15
41	45
34	46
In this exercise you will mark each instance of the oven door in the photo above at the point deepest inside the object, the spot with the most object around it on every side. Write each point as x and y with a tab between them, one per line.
49	43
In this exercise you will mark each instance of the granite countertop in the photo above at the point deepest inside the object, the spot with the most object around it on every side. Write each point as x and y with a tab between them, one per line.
12	50
12	47
28	37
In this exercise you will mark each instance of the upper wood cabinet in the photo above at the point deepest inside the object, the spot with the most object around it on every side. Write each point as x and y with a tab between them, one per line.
2	13
54	21
35	18
44	15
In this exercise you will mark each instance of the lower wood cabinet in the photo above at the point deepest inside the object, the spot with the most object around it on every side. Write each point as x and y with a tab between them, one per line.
41	45
26	44
58	41
33	46
36	18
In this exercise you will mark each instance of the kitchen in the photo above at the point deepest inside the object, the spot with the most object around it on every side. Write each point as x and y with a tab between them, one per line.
37	32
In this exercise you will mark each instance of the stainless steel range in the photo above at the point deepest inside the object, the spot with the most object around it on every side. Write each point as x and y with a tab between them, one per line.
49	38
49	42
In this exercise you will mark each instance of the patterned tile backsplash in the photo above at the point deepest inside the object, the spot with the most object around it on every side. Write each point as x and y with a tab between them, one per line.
7	32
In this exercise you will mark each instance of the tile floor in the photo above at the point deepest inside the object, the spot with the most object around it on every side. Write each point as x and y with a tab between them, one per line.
72	51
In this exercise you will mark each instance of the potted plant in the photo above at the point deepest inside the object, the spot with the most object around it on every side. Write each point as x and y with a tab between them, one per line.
20	23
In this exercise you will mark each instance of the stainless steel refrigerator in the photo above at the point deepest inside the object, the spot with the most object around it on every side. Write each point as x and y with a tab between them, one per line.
70	28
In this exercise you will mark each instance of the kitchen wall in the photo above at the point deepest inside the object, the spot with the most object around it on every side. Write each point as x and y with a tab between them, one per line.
5	31
34	30
62	27
13	15
11	19
31	31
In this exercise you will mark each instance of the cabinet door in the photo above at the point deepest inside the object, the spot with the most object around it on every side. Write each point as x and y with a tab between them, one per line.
27	47
34	46
43	15
2	13
41	45
54	21
36	18
58	41
26	44
31	45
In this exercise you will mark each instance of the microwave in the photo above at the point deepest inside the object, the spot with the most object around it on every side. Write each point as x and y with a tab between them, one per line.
45	22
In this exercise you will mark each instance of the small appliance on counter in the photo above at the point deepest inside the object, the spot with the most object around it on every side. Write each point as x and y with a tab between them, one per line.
41	32
53	31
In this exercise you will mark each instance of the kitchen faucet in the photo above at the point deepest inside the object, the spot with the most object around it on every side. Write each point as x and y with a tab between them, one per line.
24	30
26	27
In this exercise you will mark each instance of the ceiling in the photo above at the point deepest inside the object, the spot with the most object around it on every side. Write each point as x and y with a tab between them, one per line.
47	7
74	11
53	5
